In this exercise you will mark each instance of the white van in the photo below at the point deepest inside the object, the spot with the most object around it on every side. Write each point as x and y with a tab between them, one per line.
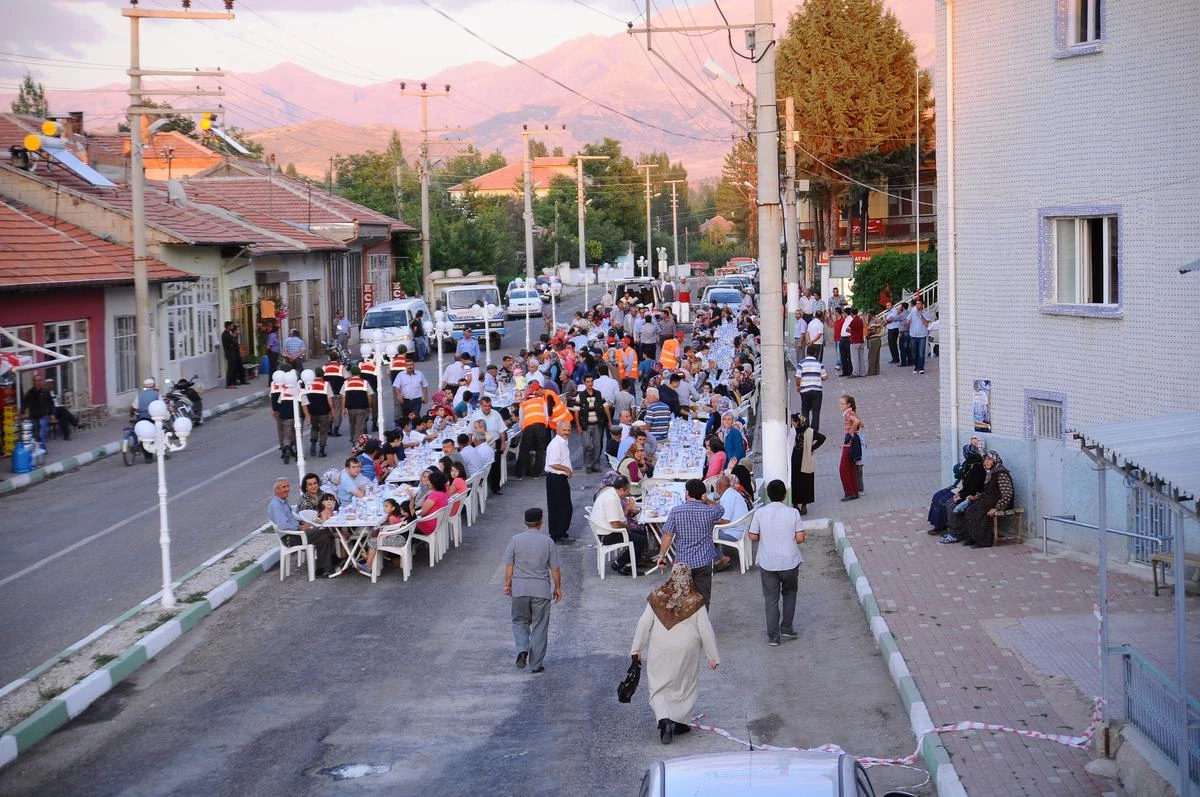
397	315
645	290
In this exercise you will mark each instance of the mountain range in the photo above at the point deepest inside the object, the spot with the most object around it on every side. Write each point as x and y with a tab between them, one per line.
304	118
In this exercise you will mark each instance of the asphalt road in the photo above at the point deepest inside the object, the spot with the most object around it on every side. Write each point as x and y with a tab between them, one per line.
414	685
78	550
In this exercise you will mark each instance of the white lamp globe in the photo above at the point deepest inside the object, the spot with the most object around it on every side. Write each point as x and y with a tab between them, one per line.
158	410
391	349
277	377
145	431
439	315
307	376
289	378
183	427
365	350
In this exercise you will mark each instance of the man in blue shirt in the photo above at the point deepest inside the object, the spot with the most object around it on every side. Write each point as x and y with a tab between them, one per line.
918	333
280	513
352	484
690	526
657	415
468	344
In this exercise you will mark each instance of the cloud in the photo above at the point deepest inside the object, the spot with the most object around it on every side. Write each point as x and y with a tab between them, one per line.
51	30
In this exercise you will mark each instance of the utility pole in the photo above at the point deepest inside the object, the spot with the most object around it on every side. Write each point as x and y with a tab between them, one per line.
579	160
917	186
774	381
527	175
145	326
675	216
649	241
425	94
791	225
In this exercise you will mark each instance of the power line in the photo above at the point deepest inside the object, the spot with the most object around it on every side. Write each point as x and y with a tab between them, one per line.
600	11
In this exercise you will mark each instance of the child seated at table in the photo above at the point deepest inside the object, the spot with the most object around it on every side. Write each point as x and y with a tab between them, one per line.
327	506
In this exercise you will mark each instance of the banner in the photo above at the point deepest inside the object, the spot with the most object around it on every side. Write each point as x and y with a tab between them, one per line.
368	296
981	405
398	290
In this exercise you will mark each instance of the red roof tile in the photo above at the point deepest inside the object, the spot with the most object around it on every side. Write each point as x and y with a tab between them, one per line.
510	177
37	251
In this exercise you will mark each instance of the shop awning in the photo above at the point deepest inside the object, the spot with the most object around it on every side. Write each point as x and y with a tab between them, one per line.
1165	449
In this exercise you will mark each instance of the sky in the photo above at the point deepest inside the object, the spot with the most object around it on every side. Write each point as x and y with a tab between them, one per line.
72	44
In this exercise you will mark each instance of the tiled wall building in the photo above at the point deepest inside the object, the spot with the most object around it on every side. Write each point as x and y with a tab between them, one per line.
1068	195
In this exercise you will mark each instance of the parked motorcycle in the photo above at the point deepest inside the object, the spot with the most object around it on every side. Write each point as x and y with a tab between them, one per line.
183	400
338	352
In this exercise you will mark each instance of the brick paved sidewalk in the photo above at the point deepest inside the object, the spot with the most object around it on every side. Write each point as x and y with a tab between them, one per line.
1002	635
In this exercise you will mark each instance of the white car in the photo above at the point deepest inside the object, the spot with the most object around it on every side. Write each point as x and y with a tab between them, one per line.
522	301
723	295
761	773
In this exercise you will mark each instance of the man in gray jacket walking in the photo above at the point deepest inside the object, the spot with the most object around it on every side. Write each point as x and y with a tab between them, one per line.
532	576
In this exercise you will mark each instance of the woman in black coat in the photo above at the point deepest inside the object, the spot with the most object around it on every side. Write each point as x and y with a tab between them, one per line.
807	441
968	480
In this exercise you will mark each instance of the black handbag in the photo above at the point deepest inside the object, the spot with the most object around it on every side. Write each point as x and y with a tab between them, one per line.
629	685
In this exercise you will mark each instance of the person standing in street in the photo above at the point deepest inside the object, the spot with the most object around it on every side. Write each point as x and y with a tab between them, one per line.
799	331
533	420
776	529
690	526
294	351
593	419
558	484
804	466
356	397
334	374
848	469
497	434
532	577
318	397
858	342
468	344
810	376
673	628
816	335
341	330
410	390
274	348
229	348
891	318
918	333
904	342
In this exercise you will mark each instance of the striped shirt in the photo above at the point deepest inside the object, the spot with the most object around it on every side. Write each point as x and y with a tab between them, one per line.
691	523
810	373
658	418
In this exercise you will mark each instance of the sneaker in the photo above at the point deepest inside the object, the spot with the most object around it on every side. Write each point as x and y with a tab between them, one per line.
948	539
789	635
773	642
522	657
537	670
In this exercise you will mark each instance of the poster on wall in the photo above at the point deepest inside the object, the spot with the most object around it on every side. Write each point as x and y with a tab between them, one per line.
981	405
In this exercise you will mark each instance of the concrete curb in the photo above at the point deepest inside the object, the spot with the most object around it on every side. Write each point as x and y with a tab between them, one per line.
79	460
71	703
933	753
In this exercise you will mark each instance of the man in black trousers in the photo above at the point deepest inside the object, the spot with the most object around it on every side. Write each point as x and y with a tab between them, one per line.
558	484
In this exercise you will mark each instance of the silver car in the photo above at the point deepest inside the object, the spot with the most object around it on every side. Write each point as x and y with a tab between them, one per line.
761	773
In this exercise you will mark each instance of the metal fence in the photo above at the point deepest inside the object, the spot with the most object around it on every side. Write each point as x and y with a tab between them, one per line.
1152	516
1152	706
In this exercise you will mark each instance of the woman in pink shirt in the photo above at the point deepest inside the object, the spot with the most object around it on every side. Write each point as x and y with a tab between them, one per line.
437	498
458	484
717	459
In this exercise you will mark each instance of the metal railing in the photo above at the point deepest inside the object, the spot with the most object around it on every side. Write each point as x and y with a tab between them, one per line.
1152	706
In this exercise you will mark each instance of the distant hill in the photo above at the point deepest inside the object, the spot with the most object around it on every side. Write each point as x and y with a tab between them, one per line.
304	118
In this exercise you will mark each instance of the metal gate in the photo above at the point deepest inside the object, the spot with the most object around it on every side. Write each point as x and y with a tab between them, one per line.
1152	516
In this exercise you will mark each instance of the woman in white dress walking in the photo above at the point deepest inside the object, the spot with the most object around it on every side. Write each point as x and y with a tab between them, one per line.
673	629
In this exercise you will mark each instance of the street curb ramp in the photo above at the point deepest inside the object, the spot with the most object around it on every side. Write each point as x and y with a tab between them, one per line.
933	752
71	703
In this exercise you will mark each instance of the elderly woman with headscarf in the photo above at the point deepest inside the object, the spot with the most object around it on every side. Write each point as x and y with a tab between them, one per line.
732	438
804	465
997	496
968	482
672	629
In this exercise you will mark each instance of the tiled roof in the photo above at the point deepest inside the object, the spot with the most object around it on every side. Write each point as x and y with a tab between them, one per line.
37	251
115	146
508	178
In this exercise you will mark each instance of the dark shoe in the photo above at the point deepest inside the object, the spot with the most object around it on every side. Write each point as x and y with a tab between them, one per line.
682	728
773	642
322	452
522	657
312	449
497	492
850	498
563	541
804	509
537	670
666	731
935	532
789	635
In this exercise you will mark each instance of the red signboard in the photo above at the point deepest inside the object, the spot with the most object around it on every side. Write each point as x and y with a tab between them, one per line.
859	258
368	296
398	290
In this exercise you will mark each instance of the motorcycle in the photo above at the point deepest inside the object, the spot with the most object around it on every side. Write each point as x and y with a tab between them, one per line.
183	400
337	352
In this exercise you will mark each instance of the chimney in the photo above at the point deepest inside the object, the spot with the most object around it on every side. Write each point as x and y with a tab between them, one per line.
77	122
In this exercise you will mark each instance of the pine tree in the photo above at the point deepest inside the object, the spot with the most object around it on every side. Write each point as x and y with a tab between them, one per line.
853	73
31	98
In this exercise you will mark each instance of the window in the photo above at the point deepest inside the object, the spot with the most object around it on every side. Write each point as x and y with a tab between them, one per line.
379	274
192	320
1079	27
243	313
125	343
70	339
1085	260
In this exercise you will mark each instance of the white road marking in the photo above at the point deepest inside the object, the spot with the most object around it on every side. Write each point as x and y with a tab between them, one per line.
149	510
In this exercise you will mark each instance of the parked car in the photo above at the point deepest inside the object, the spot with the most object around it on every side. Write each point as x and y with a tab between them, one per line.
547	285
739	281
761	773
723	295
522	301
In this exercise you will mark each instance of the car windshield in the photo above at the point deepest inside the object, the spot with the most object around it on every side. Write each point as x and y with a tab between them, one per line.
523	294
381	319
725	297
463	298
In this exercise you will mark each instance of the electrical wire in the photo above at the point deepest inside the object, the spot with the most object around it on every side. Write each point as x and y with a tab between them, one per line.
601	12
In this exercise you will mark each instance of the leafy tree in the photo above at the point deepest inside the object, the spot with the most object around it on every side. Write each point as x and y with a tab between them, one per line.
290	171
891	273
31	98
239	135
369	178
180	123
736	197
829	46
538	149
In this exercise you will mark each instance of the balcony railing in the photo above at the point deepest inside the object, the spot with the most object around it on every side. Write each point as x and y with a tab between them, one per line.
892	229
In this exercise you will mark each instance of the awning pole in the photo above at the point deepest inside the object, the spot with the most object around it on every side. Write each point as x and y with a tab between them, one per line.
1181	657
1102	546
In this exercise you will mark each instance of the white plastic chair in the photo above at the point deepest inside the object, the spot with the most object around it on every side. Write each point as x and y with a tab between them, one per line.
436	542
396	540
454	517
613	462
604	549
303	551
477	496
710	484
743	545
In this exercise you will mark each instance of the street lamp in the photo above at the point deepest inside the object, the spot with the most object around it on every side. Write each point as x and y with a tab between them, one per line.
377	344
523	286
291	392
489	310
158	440
443	328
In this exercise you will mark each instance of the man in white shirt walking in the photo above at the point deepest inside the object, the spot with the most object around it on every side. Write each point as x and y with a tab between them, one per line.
799	330
410	389
558	485
816	336
776	528
810	376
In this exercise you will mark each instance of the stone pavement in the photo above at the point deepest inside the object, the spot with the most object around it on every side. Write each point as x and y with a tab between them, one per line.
89	445
1001	635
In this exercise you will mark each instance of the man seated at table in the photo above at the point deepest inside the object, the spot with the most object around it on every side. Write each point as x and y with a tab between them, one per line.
608	511
353	484
483	449
280	513
470	457
450	449
657	415
733	508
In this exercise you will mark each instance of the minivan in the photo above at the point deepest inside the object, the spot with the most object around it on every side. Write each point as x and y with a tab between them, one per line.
398	314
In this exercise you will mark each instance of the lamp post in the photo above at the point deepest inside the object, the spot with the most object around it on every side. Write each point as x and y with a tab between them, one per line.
488	311
524	286
159	441
291	392
378	343
442	328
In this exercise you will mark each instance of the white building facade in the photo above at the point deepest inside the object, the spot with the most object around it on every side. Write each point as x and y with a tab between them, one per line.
1068	145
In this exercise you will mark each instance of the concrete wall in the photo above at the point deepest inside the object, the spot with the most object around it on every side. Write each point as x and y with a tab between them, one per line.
1100	130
